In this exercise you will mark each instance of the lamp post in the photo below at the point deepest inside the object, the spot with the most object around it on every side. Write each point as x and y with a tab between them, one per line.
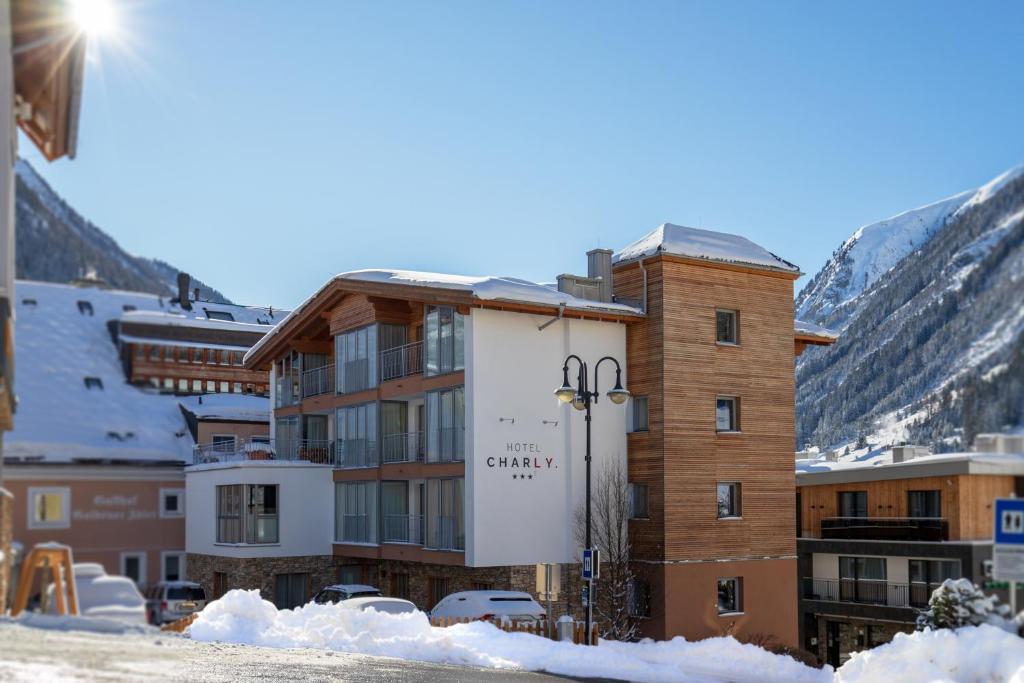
582	397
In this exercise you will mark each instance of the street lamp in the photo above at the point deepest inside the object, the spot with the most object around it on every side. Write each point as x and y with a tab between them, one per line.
581	398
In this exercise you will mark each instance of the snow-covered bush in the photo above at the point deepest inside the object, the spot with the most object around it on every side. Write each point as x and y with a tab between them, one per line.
957	603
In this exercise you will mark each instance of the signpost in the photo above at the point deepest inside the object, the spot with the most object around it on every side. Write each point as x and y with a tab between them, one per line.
1008	550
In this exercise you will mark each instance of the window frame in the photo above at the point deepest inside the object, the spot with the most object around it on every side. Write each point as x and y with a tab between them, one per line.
635	403
141	555
839	504
182	559
248	517
938	501
172	514
734	414
65	493
735	327
632	487
735	498
737	595
634	598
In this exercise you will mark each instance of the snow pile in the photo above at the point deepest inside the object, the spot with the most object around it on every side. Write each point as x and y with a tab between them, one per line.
703	244
971	654
244	617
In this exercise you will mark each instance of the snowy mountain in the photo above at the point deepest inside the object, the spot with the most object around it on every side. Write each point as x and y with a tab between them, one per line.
931	308
56	244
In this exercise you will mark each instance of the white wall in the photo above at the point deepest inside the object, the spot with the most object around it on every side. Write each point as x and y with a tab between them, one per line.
512	370
306	502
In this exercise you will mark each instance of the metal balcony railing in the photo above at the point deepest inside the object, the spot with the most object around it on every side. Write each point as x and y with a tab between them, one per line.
403	447
869	592
354	528
443	534
886	528
403	529
401	361
353	453
315	451
318	381
448	445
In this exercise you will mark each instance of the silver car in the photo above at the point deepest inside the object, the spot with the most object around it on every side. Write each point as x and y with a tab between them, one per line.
169	601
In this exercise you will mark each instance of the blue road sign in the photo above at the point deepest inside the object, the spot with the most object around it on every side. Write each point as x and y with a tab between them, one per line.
1009	521
590	561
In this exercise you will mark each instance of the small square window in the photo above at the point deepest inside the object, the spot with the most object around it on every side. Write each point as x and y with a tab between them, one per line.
211	386
236	387
133	565
638	501
640	415
172	502
730	596
727	414
224	387
85	308
154	353
197	386
49	508
127	308
729	500
727	328
197	355
183	385
219	315
93	383
172	566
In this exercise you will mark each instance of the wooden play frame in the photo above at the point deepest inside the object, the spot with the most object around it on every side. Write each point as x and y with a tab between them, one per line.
53	557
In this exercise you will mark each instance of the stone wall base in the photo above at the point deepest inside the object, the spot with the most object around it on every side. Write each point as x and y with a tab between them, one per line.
856	635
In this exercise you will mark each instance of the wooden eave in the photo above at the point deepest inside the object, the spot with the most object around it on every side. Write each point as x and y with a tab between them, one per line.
331	294
709	263
813	339
49	67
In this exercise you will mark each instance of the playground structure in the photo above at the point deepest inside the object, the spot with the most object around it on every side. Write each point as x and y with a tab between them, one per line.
56	559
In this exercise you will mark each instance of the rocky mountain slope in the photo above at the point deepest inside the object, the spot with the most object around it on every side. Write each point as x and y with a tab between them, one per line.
56	244
931	308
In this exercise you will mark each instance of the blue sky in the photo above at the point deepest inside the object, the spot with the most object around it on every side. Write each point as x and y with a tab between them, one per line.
264	146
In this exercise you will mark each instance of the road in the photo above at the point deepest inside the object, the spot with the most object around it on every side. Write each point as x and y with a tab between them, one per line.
31	655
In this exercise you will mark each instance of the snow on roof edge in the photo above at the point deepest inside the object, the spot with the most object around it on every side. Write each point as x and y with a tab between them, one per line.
708	245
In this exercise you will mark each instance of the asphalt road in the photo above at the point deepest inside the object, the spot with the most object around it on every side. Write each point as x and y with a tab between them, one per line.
31	655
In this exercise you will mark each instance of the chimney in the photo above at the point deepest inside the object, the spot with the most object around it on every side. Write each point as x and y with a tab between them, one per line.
906	453
183	283
196	292
599	266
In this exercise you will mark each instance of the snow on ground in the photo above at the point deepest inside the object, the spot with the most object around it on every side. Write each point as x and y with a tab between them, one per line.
974	654
704	244
244	617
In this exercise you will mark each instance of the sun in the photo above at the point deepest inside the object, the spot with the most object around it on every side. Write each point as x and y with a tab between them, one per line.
95	17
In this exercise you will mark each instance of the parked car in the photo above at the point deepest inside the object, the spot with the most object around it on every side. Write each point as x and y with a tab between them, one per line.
381	604
344	591
103	595
488	605
169	601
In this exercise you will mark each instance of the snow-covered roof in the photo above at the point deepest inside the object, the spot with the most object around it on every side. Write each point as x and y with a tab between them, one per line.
233	407
680	240
805	329
483	287
181	318
880	467
57	345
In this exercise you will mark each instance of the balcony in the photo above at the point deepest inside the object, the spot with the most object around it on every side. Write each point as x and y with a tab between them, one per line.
886	528
407	447
869	592
354	528
318	381
318	452
403	529
401	361
353	453
444	534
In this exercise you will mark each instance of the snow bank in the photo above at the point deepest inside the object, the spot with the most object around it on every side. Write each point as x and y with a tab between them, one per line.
244	617
972	654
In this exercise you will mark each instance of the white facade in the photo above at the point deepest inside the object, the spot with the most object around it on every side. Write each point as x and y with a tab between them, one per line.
516	428
305	508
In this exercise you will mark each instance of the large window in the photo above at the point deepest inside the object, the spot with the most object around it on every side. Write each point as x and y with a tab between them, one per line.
355	354
727	414
445	524
729	500
639	598
853	503
730	595
863	579
927	575
288	372
639	416
444	344
357	435
727	327
49	508
446	412
924	503
355	512
247	513
133	565
291	590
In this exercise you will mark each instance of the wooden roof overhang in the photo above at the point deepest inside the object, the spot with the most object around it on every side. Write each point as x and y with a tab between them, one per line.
316	309
49	66
710	263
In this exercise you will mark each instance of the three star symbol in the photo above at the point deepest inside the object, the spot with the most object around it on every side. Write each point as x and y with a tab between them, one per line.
522	476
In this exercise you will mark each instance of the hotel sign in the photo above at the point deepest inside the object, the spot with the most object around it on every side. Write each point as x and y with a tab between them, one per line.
523	460
115	508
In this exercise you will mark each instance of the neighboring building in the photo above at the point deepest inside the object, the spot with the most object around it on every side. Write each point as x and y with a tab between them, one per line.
876	539
96	461
222	423
416	410
42	64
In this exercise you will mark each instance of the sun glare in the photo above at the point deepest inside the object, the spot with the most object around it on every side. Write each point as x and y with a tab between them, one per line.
95	17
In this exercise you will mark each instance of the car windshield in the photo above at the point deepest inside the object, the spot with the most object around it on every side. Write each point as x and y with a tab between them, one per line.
326	597
194	594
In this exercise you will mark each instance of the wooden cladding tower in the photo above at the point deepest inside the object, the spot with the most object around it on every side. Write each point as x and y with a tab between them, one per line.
713	564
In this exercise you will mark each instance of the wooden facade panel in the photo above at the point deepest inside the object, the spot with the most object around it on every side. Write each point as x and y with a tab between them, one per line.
965	500
355	310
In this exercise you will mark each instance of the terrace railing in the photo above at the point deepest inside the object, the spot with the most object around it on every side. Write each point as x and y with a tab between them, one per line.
403	529
868	592
318	381
886	528
401	361
315	451
352	453
403	447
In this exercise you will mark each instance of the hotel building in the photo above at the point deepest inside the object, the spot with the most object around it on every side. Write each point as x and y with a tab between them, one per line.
417	445
875	539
